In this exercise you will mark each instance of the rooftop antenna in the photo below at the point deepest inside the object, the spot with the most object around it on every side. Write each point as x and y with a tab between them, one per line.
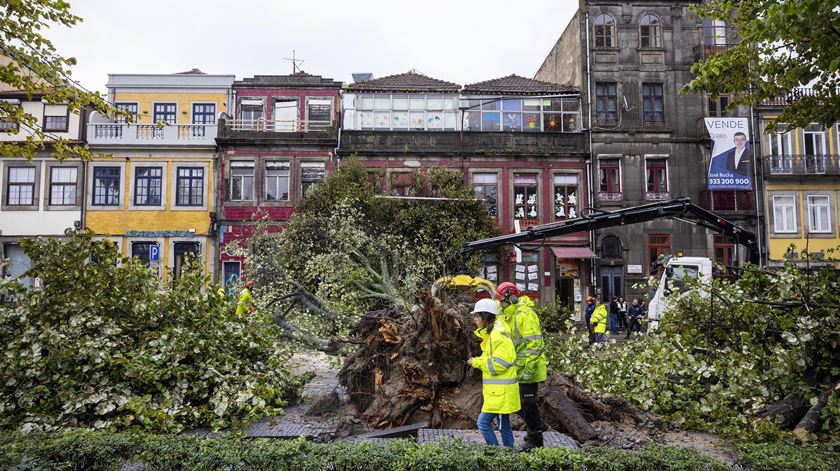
294	60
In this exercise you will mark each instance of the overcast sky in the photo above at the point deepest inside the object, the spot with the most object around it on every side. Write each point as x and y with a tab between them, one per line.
463	41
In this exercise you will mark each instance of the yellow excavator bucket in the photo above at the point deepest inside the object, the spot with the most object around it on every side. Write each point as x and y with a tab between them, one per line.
462	283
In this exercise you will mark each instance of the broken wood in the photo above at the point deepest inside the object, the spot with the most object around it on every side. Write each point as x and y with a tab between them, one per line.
811	421
559	413
786	412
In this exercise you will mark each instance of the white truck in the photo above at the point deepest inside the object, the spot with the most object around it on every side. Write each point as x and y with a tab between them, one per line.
678	271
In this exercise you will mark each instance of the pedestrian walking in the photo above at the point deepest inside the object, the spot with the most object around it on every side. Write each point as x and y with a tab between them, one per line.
635	315
500	389
599	322
524	324
622	313
587	317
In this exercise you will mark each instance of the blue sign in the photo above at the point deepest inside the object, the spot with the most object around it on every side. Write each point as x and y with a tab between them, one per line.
154	253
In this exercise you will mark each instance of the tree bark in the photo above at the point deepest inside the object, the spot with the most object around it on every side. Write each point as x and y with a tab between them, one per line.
811	421
787	411
561	414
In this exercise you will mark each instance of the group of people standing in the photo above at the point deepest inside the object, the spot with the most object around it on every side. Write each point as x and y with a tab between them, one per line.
512	364
599	319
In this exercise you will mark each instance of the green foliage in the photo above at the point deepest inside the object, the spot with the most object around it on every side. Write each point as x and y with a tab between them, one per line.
782	45
358	252
36	68
555	317
104	451
781	457
717	360
101	343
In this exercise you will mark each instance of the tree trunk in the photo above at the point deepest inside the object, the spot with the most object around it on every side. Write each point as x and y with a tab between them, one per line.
811	421
560	413
787	411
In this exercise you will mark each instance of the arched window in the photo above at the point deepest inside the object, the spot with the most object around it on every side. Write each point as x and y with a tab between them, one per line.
604	31
714	32
611	247
650	31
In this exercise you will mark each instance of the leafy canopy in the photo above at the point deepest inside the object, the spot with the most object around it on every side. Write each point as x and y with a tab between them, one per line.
100	343
30	64
783	45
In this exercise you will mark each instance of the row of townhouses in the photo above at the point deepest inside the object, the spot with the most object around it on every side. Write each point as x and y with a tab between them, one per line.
601	126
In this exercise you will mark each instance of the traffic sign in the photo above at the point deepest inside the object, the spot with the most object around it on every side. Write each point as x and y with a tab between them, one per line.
154	253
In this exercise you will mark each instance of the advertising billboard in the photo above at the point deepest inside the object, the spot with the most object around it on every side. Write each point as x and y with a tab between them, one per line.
731	166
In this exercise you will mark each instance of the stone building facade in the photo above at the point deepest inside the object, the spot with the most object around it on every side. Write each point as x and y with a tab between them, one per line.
648	142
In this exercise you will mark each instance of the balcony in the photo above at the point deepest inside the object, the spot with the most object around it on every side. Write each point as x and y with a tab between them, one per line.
101	131
657	196
785	100
610	196
704	51
801	165
269	131
727	200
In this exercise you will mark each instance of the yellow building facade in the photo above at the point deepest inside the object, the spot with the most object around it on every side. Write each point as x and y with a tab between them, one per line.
801	192
150	186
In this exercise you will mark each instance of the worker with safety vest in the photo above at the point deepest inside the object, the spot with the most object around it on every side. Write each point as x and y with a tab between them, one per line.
498	372
518	313
599	321
246	301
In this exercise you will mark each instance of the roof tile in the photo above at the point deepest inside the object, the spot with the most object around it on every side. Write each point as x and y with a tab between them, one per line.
410	81
516	85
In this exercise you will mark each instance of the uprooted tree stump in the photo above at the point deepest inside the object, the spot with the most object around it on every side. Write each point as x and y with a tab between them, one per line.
412	366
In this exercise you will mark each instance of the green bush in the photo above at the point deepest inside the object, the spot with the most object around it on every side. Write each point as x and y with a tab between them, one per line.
555	317
108	451
781	457
100	342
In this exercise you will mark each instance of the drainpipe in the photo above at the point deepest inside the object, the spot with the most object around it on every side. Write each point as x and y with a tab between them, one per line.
758	208
590	164
336	158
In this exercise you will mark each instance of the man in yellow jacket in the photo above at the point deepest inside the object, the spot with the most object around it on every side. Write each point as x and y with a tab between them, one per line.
246	301
518	313
599	321
500	390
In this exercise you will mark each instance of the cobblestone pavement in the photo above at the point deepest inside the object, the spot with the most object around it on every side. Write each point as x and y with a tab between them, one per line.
430	435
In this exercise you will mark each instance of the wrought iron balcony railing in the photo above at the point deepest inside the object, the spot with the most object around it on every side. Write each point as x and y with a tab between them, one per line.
703	51
820	164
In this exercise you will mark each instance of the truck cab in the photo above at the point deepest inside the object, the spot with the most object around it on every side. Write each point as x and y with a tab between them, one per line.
678	271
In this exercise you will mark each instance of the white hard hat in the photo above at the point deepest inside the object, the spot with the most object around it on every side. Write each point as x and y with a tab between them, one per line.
486	305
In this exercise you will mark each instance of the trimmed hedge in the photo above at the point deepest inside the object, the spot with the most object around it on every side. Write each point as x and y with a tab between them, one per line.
88	450
83	450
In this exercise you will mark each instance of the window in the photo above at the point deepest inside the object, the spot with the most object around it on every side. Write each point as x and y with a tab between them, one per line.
653	103
416	112
518	115
148	182
611	247
183	252
489	269
56	118
165	112
277	181
487	190
106	186
650	31
402	184
126	112
610	180
527	274
814	139
717	106
142	251
819	214
779	150
63	186
20	190
657	178
604	31
319	111
189	187
9	105
565	197
311	174
784	214
658	245
714	32
606	102
724	252
241	181
251	113
526	200
204	113
230	272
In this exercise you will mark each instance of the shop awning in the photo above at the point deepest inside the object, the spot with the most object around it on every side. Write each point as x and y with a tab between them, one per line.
573	252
